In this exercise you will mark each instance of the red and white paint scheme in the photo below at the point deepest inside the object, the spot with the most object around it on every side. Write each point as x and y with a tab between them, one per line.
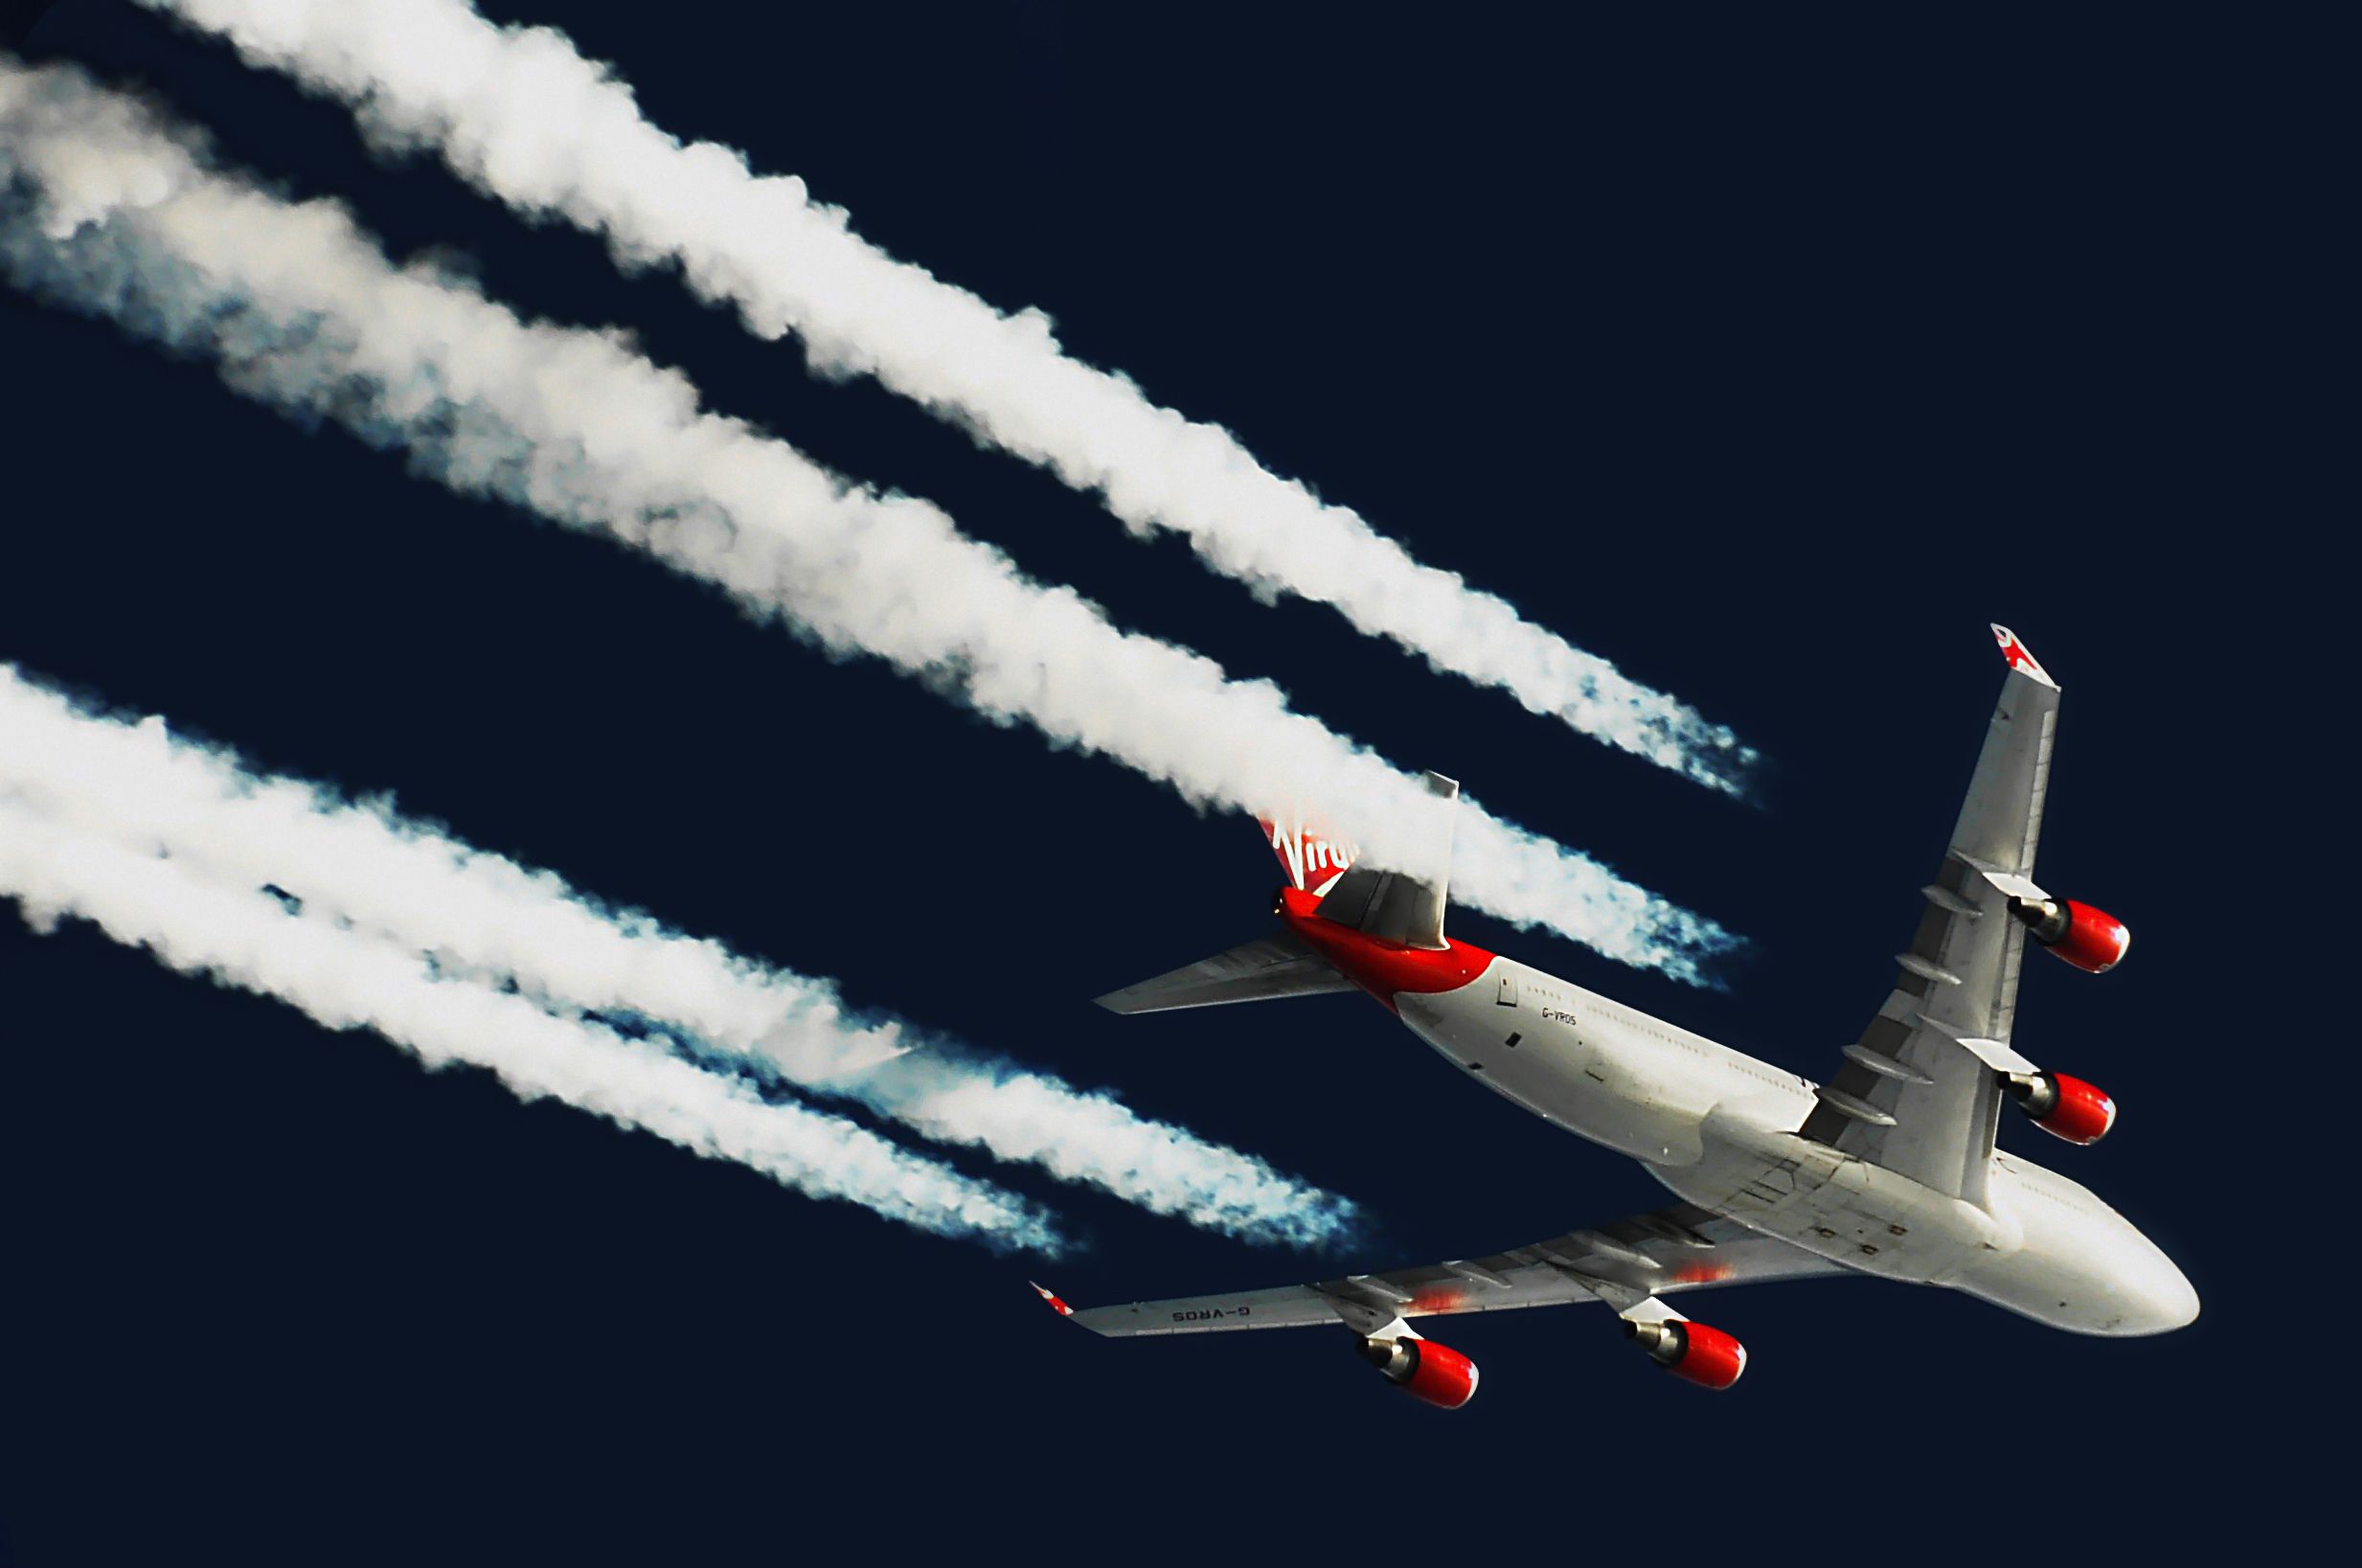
1888	1168
1313	857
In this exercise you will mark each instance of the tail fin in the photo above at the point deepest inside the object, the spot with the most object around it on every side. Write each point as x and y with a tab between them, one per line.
1395	907
1313	857
1400	906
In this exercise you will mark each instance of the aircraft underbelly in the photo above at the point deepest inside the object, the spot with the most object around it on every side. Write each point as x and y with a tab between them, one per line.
1542	1060
1835	1206
1719	1130
1717	1135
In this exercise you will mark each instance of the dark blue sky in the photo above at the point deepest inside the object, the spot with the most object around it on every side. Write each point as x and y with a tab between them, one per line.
1770	358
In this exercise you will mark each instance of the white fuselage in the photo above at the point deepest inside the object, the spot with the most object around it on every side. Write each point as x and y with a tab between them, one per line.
1718	1127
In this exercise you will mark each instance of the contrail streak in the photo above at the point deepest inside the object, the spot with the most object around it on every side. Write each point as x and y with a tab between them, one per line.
482	915
113	215
521	115
246	940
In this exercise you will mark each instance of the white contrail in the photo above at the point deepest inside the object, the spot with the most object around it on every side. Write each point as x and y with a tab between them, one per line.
521	115
111	214
245	939
483	916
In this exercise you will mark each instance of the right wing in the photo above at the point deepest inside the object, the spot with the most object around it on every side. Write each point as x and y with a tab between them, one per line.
1626	1265
1920	1091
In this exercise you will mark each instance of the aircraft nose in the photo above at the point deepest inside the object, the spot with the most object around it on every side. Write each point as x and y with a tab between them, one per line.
2178	1300
2166	1299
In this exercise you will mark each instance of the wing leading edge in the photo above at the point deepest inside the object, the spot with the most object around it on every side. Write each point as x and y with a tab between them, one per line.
1626	1265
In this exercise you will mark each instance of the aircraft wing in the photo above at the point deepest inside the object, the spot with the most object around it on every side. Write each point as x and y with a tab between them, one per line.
1626	1265
1920	1091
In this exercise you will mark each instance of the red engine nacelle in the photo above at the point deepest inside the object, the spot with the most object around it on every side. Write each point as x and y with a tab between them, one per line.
2092	939
1706	1356
1434	1373
2064	1107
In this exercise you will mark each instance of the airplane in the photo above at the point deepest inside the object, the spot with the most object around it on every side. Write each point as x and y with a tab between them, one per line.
1888	1168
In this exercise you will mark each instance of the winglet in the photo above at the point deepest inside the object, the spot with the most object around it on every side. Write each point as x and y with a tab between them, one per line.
2020	658
1055	1305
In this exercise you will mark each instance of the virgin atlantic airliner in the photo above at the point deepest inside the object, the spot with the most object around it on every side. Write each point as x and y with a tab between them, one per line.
1888	1168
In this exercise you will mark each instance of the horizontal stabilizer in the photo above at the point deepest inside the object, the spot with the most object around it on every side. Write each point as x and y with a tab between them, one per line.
1253	971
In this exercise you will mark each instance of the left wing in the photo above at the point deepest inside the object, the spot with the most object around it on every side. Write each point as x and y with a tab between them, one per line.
1625	1264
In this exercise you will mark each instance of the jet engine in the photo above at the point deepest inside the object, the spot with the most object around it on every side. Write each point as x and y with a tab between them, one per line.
1434	1373
2062	1107
2092	939
1706	1356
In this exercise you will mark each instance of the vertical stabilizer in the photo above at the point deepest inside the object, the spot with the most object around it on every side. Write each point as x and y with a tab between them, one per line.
1312	856
1398	906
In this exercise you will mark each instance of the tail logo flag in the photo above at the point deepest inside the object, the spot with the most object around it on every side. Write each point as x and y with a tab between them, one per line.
1313	857
1055	1305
